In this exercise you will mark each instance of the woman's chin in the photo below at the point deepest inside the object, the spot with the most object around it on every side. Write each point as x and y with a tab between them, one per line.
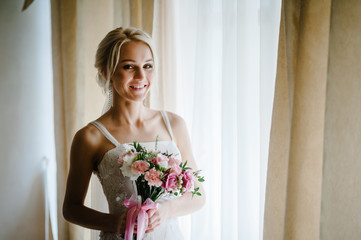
138	98
134	96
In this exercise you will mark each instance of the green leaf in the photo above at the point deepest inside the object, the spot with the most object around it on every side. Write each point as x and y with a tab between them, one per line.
156	143
183	166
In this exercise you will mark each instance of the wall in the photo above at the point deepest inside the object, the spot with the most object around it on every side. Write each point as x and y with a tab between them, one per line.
26	116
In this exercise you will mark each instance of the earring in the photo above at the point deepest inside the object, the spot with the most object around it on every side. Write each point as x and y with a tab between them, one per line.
109	98
110	95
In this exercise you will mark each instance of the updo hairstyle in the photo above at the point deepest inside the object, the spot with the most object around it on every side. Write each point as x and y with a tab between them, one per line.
107	55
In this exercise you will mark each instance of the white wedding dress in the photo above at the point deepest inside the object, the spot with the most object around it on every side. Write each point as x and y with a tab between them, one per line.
117	188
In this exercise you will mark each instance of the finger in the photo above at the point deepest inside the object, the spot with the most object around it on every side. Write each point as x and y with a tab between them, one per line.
153	220
153	224
151	212
152	227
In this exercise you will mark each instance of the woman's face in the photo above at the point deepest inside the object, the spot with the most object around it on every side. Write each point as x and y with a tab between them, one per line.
134	73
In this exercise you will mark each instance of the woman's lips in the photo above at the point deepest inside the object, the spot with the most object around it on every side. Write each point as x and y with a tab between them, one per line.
138	87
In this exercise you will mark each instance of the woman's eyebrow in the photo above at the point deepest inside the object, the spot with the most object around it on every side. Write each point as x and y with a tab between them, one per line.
131	60
127	60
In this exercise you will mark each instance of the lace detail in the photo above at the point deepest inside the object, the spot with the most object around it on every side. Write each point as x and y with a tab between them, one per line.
117	188
110	236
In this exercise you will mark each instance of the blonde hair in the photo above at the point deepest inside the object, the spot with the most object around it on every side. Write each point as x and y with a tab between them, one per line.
107	55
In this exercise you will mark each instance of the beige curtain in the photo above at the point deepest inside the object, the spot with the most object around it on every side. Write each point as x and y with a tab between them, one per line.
77	29
314	159
64	56
165	91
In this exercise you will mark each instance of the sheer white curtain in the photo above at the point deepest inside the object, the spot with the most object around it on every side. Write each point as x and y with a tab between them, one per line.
217	69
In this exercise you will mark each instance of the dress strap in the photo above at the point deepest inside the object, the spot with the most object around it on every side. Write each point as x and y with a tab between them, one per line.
167	123
105	132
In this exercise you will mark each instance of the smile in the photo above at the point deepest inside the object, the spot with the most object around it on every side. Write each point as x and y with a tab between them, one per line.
138	86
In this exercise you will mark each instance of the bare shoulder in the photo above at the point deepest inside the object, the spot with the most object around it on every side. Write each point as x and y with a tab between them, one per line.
88	135
179	128
176	121
88	143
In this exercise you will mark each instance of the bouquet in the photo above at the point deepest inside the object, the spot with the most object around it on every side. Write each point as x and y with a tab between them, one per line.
155	174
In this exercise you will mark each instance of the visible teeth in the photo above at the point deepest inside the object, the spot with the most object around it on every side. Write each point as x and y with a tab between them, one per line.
138	87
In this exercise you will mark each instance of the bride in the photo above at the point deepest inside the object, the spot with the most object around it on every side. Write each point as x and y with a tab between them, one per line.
126	62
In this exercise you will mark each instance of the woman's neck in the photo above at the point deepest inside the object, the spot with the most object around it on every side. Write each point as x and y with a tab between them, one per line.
128	113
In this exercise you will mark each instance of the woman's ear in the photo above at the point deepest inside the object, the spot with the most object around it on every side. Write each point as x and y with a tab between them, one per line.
104	74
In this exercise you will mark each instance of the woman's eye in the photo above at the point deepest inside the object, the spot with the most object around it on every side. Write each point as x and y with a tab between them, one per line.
148	66
127	67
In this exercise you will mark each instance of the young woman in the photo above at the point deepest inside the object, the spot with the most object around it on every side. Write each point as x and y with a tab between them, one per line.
126	69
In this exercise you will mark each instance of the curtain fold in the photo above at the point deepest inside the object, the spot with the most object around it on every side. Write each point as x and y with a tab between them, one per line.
341	195
294	184
134	13
64	43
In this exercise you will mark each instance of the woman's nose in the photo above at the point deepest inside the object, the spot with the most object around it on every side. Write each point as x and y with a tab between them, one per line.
140	74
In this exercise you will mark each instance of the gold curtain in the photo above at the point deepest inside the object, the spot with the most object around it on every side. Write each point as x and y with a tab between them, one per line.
77	29
313	172
63	16
294	181
134	13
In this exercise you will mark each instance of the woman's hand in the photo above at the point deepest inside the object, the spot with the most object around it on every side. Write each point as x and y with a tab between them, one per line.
157	216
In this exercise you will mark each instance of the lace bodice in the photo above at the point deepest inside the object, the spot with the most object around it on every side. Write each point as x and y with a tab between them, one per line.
117	188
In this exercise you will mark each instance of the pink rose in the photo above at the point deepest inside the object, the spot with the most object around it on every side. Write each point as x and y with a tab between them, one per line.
176	169
139	167
152	176
188	179
162	160
120	161
174	161
171	182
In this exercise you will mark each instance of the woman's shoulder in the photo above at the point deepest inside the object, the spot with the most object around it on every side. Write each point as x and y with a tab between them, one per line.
87	146
179	129
173	116
176	121
89	136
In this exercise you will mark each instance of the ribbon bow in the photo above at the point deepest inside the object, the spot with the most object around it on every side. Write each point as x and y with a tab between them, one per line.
137	212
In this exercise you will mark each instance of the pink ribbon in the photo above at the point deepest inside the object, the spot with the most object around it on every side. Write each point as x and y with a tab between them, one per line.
137	212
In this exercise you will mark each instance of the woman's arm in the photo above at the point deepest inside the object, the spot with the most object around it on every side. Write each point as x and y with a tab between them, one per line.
186	204
83	158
